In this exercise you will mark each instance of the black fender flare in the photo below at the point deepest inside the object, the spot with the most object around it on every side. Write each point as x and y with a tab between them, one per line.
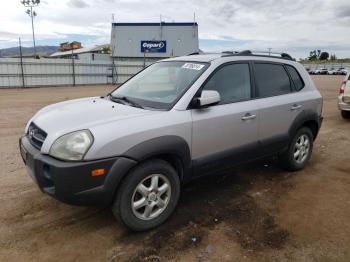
163	145
301	119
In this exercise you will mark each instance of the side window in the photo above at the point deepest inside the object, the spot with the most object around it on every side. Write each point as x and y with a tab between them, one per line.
271	80
298	82
232	82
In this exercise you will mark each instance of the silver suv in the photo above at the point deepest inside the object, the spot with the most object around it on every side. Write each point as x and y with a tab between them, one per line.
176	120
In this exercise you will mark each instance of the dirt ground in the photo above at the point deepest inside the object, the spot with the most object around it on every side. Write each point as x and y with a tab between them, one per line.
255	213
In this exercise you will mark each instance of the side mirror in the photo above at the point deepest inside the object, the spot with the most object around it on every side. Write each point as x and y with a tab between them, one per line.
208	98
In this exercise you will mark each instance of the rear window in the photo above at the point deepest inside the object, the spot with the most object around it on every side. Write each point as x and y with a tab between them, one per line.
298	82
271	80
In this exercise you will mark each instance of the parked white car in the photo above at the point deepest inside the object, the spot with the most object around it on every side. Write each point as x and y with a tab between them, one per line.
332	71
344	97
344	71
317	71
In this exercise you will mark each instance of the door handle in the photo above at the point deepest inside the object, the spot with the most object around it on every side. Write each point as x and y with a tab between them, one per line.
295	107
248	116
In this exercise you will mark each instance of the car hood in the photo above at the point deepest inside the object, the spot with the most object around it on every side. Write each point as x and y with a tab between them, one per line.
85	113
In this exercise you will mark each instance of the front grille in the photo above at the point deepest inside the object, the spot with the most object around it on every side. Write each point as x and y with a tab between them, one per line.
36	135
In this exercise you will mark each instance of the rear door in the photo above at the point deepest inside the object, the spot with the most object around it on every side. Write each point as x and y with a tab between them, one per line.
279	104
226	134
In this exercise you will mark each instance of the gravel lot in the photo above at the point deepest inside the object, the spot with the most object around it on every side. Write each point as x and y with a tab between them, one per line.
255	213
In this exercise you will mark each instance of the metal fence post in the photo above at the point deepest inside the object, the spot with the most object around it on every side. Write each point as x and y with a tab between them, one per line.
73	69
21	62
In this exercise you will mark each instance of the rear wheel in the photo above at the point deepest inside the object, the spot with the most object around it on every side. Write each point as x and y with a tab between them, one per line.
299	150
148	195
345	114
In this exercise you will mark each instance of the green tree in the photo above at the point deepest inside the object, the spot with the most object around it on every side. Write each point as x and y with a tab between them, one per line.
106	50
324	56
313	55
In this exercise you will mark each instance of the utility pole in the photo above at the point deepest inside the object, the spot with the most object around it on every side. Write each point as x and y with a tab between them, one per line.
30	4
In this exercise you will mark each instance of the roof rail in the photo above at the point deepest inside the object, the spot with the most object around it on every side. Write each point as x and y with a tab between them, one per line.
245	52
229	52
203	53
195	53
260	53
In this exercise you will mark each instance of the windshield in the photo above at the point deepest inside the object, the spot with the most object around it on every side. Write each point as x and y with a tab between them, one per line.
161	84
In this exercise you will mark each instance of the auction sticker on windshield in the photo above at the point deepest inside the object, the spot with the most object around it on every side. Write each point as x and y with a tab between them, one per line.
193	66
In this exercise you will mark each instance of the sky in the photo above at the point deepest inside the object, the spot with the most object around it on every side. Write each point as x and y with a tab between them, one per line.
293	26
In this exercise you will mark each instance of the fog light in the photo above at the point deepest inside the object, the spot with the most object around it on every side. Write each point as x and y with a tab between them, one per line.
98	172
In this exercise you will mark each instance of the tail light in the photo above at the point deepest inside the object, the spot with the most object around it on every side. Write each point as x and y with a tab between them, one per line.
342	87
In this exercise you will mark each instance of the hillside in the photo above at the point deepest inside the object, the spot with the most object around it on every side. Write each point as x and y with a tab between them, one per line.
26	51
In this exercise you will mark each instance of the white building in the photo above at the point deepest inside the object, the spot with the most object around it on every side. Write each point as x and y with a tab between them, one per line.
133	41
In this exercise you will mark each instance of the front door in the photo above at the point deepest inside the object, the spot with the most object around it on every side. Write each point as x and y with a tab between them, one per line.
226	134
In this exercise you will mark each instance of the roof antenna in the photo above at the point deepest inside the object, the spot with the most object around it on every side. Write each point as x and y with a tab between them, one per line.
112	17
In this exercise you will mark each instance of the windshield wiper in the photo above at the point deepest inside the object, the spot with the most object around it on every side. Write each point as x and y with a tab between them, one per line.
125	99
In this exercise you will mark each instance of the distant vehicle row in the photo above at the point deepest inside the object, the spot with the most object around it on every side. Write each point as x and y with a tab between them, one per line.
325	71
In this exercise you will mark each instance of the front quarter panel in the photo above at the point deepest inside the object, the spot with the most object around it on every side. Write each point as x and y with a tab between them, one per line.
116	138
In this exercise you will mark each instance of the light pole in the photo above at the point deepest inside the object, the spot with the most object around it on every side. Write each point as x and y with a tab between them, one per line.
269	50
32	14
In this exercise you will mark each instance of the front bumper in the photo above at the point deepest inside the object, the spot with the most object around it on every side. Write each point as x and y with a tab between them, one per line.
71	182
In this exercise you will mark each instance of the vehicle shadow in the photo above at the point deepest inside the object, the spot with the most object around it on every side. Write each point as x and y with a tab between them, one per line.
227	198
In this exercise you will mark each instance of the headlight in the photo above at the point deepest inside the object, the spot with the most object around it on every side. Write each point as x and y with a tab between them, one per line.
72	146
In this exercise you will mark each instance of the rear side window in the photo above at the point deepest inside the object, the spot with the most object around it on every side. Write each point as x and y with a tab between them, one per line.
271	80
298	82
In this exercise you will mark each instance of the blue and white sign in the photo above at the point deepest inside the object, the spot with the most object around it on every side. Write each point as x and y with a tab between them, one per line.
153	46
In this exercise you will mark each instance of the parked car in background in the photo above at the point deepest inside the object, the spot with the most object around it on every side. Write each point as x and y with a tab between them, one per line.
344	71
344	97
132	149
317	71
332	71
338	71
323	71
312	71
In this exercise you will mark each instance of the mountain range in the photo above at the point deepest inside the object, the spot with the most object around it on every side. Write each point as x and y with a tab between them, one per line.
27	51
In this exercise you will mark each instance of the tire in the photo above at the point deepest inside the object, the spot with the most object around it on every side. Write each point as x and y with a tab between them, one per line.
133	199
290	159
345	114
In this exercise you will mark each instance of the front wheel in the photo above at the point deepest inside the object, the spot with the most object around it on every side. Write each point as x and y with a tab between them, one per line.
148	195
299	150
